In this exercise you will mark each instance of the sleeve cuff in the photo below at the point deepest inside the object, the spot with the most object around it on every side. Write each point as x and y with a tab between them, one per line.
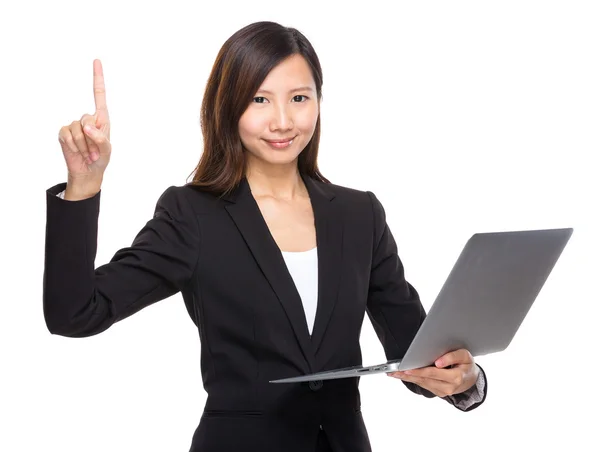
472	397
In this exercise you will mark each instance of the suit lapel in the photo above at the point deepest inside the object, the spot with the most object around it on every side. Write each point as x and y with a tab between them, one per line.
329	226
248	218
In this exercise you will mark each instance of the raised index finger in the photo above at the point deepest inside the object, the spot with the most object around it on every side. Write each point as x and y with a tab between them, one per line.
100	93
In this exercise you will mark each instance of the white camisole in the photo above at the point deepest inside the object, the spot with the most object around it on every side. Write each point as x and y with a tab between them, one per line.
303	267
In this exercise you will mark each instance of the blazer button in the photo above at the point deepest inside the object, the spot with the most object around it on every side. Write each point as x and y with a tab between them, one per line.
315	385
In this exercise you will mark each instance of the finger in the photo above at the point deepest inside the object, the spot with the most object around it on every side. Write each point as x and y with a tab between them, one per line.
447	375
100	95
99	139
66	140
461	356
88	120
79	139
439	388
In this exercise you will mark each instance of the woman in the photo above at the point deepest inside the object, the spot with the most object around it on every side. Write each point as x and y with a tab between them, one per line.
276	265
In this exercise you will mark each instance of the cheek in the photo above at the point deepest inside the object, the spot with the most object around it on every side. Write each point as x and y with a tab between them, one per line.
251	125
307	121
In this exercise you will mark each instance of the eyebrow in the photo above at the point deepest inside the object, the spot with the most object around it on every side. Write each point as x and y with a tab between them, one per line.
301	88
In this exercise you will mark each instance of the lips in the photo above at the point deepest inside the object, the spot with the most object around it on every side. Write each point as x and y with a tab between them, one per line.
280	144
284	140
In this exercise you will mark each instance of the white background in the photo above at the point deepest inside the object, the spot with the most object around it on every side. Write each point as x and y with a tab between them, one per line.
462	117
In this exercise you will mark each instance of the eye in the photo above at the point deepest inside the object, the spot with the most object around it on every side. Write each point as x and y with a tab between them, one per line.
264	99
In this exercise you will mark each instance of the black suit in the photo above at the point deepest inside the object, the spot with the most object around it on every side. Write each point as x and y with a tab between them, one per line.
220	254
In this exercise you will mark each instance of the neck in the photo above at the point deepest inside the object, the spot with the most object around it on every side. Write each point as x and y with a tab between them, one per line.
277	181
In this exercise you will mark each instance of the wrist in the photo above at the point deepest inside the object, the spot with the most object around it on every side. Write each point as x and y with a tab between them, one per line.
79	188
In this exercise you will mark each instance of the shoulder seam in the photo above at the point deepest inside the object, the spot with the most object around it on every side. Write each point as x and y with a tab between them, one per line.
373	219
194	272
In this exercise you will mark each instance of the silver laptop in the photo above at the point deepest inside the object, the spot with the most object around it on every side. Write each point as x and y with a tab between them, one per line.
483	302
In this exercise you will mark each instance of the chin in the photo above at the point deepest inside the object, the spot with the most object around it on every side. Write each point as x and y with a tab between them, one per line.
274	156
279	158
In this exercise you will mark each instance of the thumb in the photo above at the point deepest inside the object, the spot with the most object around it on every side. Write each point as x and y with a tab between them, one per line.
99	138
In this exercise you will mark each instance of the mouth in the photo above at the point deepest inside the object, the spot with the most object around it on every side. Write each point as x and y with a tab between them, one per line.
280	143
283	140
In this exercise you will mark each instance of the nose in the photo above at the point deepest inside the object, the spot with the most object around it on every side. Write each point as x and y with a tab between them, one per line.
282	119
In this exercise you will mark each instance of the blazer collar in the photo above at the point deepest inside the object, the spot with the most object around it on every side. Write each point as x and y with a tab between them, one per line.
316	189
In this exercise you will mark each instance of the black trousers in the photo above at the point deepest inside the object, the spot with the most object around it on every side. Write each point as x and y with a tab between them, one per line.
322	442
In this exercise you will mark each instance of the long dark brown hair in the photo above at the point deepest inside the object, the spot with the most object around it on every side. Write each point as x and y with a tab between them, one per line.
241	66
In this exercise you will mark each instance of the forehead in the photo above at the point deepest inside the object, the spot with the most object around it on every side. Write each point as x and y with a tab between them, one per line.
292	72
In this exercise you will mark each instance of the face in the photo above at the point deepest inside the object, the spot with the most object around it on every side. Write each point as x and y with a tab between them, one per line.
281	119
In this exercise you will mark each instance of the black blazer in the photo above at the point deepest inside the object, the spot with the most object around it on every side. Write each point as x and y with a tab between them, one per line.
219	253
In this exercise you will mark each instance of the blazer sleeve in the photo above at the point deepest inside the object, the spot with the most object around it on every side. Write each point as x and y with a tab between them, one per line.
80	300
393	304
395	309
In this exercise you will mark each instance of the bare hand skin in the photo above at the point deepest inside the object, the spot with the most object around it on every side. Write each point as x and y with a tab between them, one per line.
87	153
461	374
